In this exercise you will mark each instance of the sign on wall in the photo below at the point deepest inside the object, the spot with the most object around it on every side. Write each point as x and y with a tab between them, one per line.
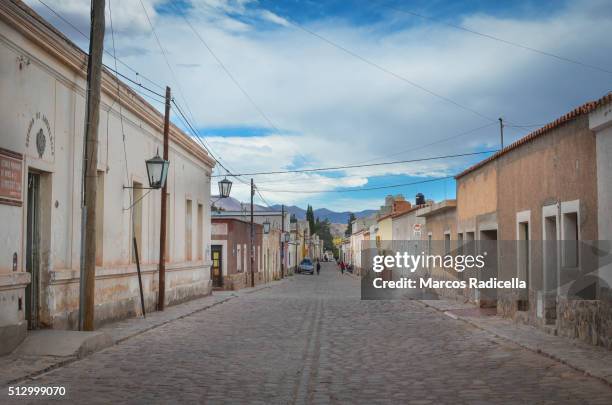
11	175
40	142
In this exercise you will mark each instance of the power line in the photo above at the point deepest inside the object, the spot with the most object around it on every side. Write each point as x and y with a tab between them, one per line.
74	27
391	73
262	198
230	75
494	38
196	136
320	169
199	139
127	171
431	143
161	48
351	190
138	74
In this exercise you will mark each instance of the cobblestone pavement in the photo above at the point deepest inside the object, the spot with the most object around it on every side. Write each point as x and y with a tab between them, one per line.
311	340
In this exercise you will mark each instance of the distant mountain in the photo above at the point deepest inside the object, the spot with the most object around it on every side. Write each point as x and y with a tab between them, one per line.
324	213
231	204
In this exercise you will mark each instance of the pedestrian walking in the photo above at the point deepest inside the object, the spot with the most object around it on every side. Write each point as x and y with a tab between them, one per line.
342	267
318	267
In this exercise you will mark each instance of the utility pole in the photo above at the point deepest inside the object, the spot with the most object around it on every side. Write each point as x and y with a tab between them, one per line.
90	168
501	132
282	240
161	298
252	237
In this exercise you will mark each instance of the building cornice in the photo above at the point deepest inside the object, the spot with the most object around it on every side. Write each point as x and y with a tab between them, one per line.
28	23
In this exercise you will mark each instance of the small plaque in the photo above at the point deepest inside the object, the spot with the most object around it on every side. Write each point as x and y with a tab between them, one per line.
11	175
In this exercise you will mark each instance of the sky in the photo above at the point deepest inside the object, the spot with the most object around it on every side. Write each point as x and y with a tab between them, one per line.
294	84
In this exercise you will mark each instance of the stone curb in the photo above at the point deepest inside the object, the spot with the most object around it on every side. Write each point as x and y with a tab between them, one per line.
606	379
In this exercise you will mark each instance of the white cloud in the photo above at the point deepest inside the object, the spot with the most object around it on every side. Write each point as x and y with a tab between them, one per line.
334	109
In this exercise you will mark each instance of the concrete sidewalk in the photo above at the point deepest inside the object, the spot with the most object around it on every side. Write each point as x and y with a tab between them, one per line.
45	350
592	360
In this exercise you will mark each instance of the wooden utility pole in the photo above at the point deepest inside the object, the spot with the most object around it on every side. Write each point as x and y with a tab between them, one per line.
161	299
501	132
282	244
90	167
252	237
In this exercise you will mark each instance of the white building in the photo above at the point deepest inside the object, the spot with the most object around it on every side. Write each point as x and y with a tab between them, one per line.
359	227
42	88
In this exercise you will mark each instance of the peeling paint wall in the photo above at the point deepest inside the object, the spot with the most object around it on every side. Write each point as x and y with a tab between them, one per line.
42	84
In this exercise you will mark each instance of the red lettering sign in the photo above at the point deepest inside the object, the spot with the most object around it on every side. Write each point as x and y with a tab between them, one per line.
11	175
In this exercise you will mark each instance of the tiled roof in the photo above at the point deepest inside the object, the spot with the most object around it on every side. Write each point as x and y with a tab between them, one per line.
583	109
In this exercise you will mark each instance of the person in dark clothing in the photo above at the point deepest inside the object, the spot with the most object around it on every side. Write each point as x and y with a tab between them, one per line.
342	267
318	267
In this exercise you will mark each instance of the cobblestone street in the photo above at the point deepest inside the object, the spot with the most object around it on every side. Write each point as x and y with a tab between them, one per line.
311	340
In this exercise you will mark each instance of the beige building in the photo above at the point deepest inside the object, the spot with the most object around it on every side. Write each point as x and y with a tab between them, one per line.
545	198
42	83
600	122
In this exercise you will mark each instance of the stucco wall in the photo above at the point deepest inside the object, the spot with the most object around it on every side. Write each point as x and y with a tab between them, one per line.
552	172
403	226
385	229
42	82
440	223
477	199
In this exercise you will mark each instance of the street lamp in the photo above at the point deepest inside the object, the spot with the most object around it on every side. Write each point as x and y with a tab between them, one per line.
266	227
157	171
225	186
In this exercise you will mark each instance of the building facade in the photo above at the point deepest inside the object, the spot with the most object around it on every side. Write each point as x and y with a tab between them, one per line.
43	86
230	245
545	200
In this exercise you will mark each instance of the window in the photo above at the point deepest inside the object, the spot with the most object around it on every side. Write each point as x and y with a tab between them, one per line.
238	257
244	255
470	243
570	239
259	258
200	232
100	220
188	231
523	256
136	219
550	237
447	243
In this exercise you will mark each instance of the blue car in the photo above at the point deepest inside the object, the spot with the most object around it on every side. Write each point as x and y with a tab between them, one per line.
306	266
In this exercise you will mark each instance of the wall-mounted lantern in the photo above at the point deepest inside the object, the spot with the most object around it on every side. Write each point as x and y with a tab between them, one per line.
157	171
225	186
266	227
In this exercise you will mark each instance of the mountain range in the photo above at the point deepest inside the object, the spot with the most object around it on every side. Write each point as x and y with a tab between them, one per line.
323	213
231	204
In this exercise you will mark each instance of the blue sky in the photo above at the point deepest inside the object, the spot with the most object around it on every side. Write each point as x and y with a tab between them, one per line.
311	104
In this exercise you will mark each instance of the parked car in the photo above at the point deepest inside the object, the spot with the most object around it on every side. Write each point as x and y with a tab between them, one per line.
306	266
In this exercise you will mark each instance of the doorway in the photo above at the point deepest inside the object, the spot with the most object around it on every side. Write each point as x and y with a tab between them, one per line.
487	244
216	270
33	250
